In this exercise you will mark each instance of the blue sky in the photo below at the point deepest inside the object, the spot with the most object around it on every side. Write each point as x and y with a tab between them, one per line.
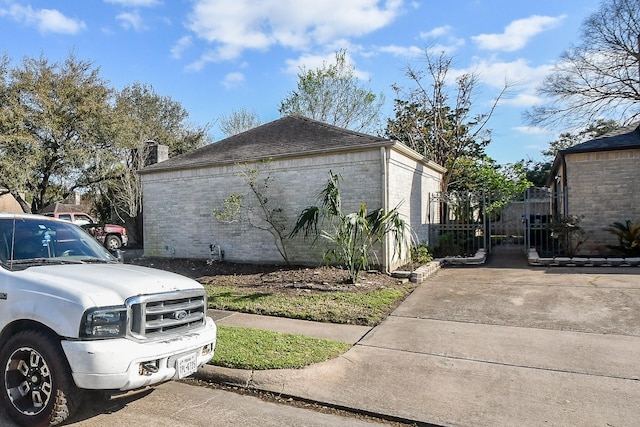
217	56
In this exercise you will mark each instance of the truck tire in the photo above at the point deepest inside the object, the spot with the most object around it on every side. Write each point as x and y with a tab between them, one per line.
112	242
35	384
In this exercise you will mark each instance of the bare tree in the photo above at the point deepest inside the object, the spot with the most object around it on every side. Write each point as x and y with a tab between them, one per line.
239	121
436	119
266	216
598	78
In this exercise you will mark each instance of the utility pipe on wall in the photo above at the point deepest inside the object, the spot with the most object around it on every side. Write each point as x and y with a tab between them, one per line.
384	157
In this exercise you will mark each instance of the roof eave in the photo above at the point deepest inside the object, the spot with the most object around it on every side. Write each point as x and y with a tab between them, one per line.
601	149
411	153
159	167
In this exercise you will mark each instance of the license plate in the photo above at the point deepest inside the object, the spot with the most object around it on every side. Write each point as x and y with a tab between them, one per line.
187	365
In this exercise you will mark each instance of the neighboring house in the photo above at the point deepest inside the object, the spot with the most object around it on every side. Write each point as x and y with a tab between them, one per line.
77	206
598	181
296	155
8	203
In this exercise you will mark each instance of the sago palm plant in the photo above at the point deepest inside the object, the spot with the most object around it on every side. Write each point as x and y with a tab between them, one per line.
628	235
353	236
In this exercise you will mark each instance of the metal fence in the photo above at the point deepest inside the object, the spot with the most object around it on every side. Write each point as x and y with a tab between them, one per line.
462	223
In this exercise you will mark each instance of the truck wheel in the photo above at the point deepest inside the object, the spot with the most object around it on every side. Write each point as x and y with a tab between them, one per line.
112	242
36	385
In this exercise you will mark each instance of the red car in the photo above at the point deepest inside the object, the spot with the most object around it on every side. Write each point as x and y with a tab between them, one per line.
110	235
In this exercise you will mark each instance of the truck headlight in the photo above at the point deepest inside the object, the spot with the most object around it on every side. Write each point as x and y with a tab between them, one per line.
104	322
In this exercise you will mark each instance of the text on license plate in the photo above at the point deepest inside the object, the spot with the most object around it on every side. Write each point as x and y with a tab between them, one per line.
187	365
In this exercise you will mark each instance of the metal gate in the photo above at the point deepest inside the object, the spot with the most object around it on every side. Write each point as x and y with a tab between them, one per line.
462	223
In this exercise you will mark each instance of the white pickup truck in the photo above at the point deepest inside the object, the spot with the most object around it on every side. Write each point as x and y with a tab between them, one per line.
74	318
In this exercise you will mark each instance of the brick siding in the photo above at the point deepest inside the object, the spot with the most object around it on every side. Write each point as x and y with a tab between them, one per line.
603	187
178	205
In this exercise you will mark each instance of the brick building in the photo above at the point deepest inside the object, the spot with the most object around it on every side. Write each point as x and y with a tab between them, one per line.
599	181
8	203
296	155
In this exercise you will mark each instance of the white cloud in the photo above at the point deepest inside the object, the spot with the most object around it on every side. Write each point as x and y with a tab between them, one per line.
402	51
436	32
346	45
131	20
517	33
232	80
414	51
134	3
202	61
312	62
45	20
306	61
232	27
450	44
522	78
523	99
50	20
181	46
531	130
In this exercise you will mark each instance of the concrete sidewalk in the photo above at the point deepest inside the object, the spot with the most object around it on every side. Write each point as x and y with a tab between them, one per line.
502	344
330	331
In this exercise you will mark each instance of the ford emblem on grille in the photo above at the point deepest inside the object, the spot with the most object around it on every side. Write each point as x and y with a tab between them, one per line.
179	315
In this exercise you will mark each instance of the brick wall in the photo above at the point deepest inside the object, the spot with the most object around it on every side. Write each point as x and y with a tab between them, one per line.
603	187
409	185
9	204
178	205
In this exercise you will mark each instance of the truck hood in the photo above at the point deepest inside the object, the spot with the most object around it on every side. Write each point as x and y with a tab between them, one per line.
106	284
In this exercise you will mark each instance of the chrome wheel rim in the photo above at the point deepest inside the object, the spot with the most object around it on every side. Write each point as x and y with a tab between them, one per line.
28	381
113	244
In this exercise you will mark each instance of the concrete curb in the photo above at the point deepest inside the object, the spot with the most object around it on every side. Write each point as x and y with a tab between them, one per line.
478	259
421	273
226	376
244	379
536	260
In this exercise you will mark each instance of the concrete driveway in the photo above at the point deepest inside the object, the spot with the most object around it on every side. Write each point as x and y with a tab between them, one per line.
503	344
508	292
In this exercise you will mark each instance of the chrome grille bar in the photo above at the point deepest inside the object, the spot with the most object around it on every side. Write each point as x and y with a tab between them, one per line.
171	313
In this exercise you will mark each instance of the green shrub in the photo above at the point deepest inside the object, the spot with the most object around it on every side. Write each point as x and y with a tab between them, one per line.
457	243
568	233
628	235
420	254
352	236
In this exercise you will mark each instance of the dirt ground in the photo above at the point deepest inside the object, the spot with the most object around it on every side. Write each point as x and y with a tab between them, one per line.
274	278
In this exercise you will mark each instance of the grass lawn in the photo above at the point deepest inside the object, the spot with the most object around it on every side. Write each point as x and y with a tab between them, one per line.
358	308
247	348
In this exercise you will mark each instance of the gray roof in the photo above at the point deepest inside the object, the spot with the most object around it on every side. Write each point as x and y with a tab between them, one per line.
622	138
62	207
619	139
286	137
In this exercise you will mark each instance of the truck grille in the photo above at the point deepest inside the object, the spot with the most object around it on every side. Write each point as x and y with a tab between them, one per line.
166	314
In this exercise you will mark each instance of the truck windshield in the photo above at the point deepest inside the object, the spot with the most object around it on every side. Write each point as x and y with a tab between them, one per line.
25	242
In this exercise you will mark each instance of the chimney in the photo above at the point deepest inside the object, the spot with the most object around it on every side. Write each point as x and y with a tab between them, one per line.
155	153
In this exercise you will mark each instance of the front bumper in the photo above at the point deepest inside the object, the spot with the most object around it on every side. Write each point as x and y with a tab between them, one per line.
116	364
